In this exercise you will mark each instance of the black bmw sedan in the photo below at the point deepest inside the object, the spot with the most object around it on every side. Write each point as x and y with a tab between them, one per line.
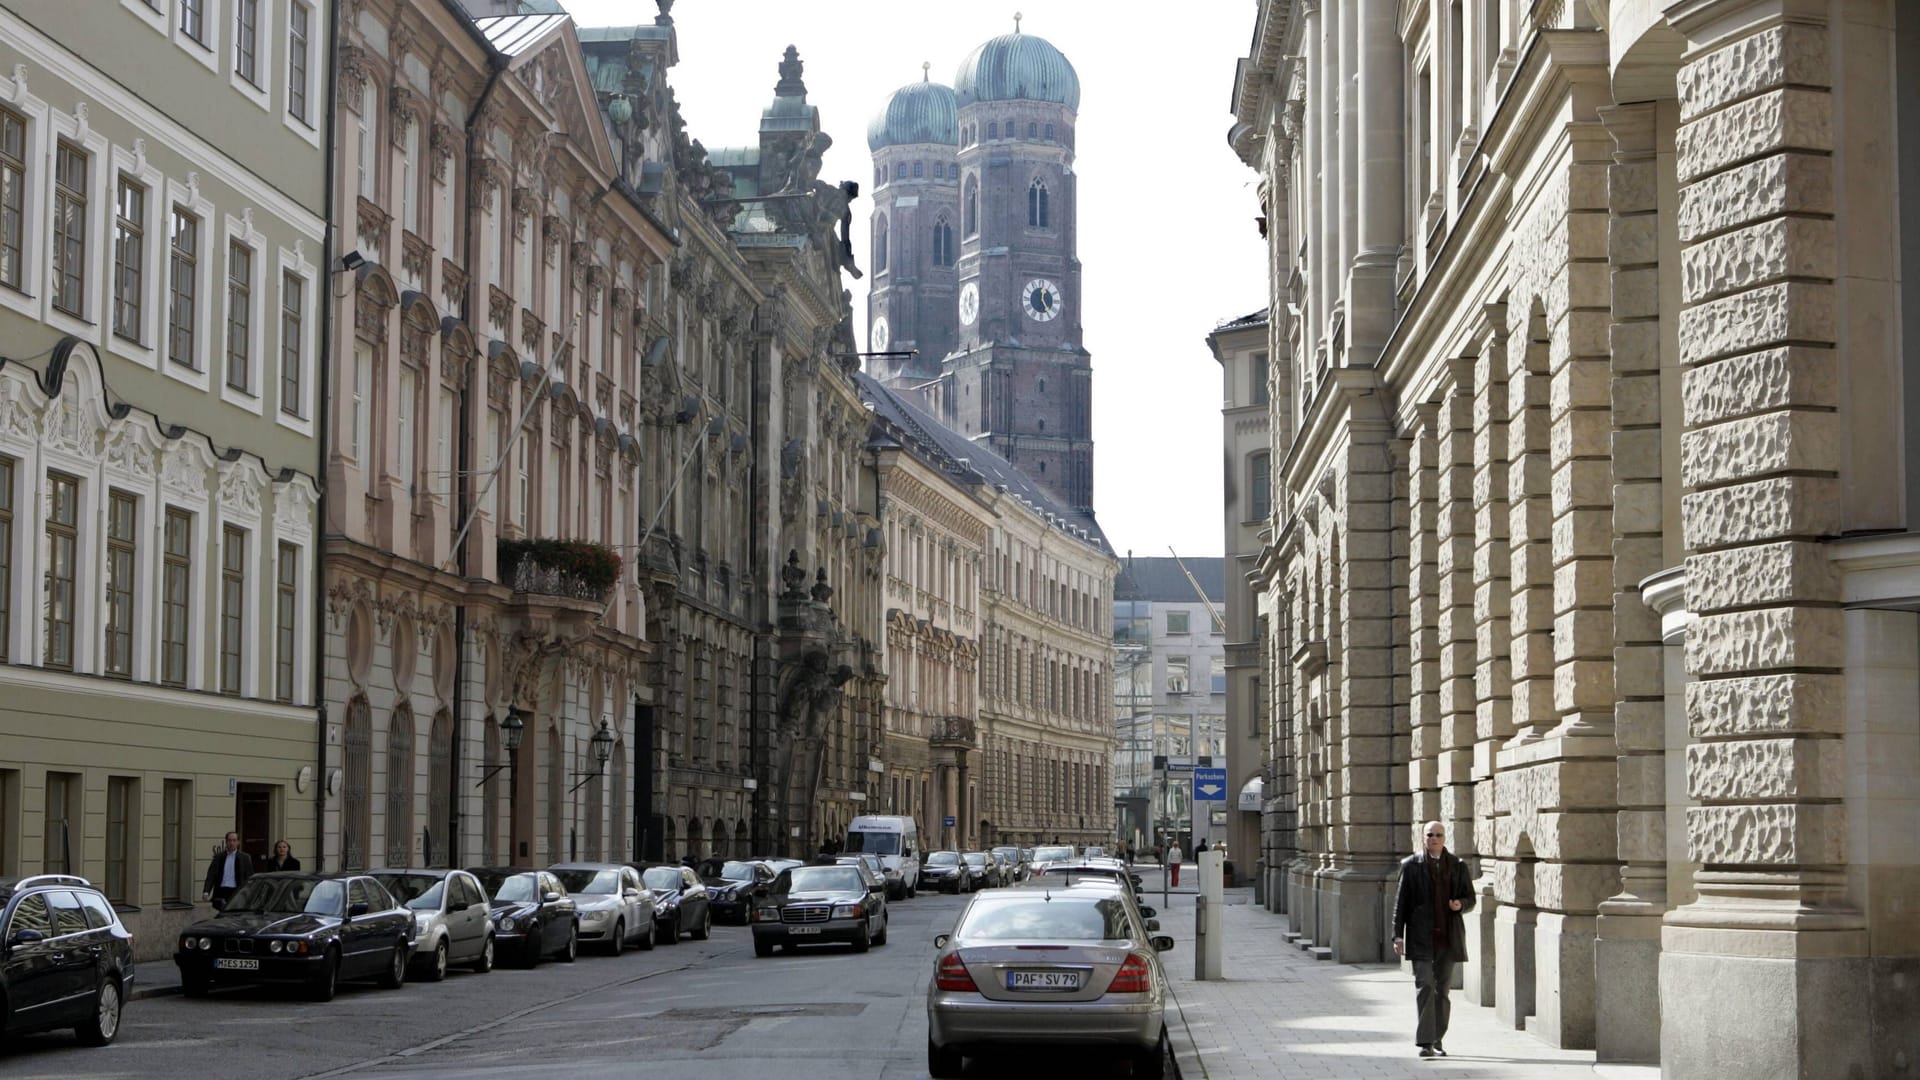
533	917
733	885
312	929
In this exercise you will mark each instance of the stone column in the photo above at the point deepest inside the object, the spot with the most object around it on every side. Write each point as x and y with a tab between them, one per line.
1493	668
1348	127
1326	249
1378	181
1763	373
1627	935
1314	119
1457	630
1529	530
1424	631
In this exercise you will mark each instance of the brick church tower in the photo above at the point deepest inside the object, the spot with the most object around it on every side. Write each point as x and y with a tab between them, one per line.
1014	374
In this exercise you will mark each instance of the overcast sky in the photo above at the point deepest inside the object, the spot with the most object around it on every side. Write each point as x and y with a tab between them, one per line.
1167	238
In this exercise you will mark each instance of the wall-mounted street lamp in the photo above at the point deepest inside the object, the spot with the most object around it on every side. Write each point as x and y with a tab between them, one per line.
512	730
601	749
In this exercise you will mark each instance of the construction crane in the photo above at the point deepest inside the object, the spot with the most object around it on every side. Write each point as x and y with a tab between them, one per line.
1202	593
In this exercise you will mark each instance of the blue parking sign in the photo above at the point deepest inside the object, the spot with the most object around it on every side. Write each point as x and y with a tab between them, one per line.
1209	785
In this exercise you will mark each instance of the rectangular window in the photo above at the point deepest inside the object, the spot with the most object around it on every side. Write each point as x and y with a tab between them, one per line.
176	877
1260	484
70	230
239	317
6	557
123	826
1259	378
1177	622
285	614
410	179
180	317
298	18
1218	676
357	423
122	558
1178	674
129	257
62	835
193	19
293	303
246	40
367	130
233	598
63	549
13	199
404	428
176	597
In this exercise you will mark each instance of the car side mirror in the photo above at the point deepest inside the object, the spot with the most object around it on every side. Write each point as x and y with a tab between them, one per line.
355	910
1162	943
1153	924
1149	913
549	898
633	894
876	887
25	937
940	940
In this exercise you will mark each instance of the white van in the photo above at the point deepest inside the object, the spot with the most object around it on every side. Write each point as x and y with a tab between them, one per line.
896	840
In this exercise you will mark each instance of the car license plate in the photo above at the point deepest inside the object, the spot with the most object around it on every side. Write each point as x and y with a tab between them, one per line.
1043	980
229	964
803	929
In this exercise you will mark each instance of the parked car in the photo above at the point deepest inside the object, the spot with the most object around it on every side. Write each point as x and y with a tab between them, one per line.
1069	967
982	869
945	871
65	960
1094	851
680	903
778	864
733	885
1070	873
314	929
889	878
1047	853
1016	861
533	917
452	921
615	907
809	905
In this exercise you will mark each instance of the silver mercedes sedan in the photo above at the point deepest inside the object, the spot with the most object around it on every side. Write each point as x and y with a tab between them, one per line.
1048	967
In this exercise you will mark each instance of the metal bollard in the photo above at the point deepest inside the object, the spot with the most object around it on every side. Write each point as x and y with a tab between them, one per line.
1200	937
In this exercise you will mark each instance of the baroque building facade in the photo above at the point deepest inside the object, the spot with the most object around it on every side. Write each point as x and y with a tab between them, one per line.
1585	540
162	254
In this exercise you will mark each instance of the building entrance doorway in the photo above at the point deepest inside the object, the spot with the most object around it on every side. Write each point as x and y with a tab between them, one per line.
253	819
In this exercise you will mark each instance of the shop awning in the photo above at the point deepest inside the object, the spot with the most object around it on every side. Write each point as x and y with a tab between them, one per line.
1253	794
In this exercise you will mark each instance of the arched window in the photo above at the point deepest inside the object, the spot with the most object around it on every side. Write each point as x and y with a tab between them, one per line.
490	845
1049	132
993	130
1033	130
970	218
942	243
1043	386
918	166
900	171
1037	204
357	762
880	245
399	828
439	789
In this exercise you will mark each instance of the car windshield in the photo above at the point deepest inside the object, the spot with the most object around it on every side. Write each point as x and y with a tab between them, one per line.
288	896
420	892
511	888
975	858
1012	854
878	843
591	882
943	858
823	879
1047	918
1052	854
736	871
662	877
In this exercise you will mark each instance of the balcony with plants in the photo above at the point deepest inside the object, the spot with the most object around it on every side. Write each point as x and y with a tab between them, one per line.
575	570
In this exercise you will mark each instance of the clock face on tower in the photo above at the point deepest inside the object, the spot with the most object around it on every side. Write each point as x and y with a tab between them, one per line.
969	303
1041	300
880	334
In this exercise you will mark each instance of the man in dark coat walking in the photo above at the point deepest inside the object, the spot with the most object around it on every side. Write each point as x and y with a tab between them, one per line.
229	870
1428	929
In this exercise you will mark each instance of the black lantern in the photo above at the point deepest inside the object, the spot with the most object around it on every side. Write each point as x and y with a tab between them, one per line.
512	730
602	744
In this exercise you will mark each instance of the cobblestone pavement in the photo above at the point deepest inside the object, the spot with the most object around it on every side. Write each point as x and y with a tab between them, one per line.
1280	1014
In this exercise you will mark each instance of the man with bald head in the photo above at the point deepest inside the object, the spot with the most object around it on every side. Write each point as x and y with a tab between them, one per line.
1428	930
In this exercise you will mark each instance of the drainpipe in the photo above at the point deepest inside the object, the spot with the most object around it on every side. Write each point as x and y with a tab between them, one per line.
325	368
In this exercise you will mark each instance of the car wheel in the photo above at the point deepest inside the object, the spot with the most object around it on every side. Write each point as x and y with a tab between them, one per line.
881	937
668	932
705	929
485	963
762	947
396	974
195	986
571	950
650	935
438	970
619	940
912	889
942	1063
1151	1063
100	1028
328	980
863	942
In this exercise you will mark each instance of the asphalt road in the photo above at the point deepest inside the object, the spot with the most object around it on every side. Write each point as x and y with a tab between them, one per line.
709	1009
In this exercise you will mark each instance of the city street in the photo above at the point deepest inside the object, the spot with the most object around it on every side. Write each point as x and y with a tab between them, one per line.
710	1004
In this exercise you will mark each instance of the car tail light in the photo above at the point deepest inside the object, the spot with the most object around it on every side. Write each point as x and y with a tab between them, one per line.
1134	976
953	975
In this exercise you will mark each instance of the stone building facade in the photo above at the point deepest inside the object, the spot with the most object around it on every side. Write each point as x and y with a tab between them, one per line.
162	270
1585	540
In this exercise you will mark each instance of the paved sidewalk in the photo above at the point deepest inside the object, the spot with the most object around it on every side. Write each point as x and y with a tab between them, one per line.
1279	1013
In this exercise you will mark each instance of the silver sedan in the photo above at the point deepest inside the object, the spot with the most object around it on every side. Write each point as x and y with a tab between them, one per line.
1068	967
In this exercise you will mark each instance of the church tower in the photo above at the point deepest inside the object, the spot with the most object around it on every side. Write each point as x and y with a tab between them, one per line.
1019	378
912	301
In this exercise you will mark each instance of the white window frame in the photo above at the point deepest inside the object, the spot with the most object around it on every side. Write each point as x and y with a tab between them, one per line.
187	197
213	546
90	326
264	31
207	52
159	246
302	543
241	230
366	142
306	127
359	411
295	262
35	216
157	14
145	564
200	517
90	548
